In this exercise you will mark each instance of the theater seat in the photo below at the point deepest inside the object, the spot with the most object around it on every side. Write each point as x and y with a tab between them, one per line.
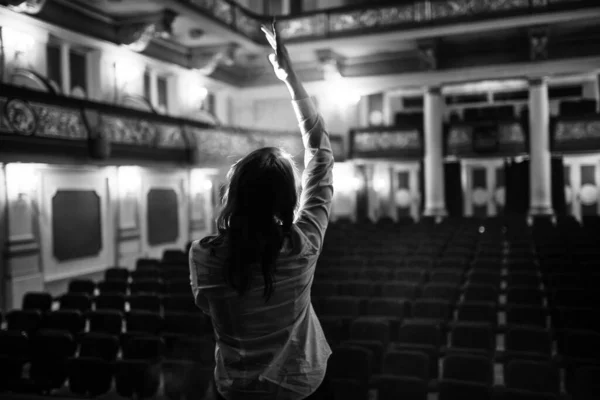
28	321
106	321
476	338
144	321
185	379
412	364
84	286
112	287
116	274
71	321
528	343
422	336
390	387
150	348
37	301
182	302
14	353
51	351
352	363
532	376
468	368
458	390
76	301
144	302
513	394
99	345
136	378
90	376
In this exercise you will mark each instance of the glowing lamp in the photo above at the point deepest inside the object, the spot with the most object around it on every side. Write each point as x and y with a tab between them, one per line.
16	40
20	180
125	72
199	182
129	180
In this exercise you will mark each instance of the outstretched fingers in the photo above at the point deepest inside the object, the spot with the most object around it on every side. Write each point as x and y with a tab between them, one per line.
270	37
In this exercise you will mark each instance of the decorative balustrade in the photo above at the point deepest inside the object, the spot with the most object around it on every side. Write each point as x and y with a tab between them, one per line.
386	142
364	19
49	123
494	138
577	134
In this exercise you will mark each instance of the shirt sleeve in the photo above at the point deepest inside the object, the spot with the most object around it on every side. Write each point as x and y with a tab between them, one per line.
199	298
317	178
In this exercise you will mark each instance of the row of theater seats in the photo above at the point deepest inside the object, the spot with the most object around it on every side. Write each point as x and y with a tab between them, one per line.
466	309
133	334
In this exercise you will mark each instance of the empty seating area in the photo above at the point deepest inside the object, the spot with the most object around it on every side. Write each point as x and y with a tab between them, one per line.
135	334
465	309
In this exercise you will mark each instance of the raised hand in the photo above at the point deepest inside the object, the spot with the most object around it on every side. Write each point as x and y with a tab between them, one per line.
282	65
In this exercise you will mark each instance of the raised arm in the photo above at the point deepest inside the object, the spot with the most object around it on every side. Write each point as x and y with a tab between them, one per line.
317	178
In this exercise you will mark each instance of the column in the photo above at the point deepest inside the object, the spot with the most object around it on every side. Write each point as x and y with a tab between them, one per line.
65	68
539	157
435	205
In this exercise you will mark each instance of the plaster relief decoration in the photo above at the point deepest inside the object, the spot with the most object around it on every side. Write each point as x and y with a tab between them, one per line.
569	131
459	136
43	120
386	142
369	18
428	56
217	146
137	33
247	25
314	25
538	44
363	19
128	130
223	11
511	133
170	136
461	8
27	6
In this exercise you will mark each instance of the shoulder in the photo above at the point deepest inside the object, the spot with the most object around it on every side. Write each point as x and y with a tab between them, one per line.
209	246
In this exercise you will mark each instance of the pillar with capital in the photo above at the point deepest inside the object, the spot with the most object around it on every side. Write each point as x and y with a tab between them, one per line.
435	205
540	183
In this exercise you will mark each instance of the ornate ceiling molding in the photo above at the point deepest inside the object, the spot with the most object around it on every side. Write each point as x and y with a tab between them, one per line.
137	33
206	60
24	6
539	43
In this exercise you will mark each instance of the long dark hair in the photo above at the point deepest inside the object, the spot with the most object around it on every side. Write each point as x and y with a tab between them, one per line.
259	205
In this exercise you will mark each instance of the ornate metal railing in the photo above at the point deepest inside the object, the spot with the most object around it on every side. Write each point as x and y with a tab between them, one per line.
393	15
49	123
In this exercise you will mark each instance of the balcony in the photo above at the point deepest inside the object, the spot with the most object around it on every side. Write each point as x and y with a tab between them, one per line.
43	127
389	16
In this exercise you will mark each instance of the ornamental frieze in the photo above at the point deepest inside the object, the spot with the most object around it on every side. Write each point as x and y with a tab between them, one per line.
567	131
36	119
387	140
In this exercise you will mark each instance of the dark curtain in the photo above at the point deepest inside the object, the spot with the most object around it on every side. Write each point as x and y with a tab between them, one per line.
422	187
558	186
517	187
362	200
453	191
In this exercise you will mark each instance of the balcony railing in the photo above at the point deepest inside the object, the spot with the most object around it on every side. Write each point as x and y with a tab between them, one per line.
393	15
47	125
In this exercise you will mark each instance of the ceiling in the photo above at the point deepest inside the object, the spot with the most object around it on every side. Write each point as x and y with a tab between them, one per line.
194	35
